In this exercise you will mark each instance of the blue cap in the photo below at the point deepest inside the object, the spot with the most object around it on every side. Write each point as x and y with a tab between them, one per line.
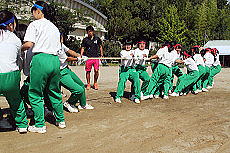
7	22
38	6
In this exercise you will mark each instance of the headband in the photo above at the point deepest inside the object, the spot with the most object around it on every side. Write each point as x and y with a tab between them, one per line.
186	54
38	6
177	45
196	46
7	22
141	42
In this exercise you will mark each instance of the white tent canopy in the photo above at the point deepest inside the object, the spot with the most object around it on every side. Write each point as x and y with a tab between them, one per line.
222	45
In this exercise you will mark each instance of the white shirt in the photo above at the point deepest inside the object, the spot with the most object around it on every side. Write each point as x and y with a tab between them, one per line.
27	57
45	36
199	59
191	64
139	54
10	53
167	58
128	61
62	56
209	59
217	62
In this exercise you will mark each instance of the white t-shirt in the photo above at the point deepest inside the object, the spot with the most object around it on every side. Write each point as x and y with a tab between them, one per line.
167	58
199	59
128	61
10	53
209	59
62	56
191	64
140	54
45	36
217	62
27	57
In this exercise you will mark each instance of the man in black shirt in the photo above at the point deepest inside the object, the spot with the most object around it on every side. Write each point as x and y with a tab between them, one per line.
92	47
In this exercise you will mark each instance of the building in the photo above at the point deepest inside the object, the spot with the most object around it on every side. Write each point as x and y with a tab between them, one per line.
97	18
223	47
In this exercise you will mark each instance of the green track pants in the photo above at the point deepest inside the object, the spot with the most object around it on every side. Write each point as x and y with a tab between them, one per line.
71	81
202	73
214	71
186	81
45	76
10	88
144	76
126	73
161	74
206	77
177	72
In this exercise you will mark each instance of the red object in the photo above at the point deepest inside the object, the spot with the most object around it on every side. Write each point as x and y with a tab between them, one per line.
196	46
177	45
91	62
186	54
141	42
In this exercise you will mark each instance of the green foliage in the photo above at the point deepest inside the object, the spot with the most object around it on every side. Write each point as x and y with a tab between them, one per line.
112	48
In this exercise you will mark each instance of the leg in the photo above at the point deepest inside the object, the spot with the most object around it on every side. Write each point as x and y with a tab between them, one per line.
134	76
123	77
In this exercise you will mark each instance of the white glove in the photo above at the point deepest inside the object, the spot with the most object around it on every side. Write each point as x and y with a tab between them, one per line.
84	58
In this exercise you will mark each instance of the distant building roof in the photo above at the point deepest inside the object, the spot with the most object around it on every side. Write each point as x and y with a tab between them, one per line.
222	45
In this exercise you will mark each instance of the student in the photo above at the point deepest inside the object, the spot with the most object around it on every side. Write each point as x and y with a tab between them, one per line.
187	80
209	61
215	69
72	82
167	56
201	66
9	70
92	46
44	37
128	71
141	53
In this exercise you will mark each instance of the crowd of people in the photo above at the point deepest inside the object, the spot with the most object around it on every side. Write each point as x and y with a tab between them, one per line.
43	59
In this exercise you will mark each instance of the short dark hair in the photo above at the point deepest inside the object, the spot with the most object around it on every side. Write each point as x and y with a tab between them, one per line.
89	28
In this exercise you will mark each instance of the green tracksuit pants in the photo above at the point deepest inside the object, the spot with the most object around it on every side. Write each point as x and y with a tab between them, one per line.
71	81
130	73
144	76
45	76
202	72
214	71
206	77
10	88
161	74
177	72
186	81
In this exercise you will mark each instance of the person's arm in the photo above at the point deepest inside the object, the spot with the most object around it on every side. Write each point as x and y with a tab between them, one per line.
179	61
73	53
82	51
154	57
27	45
71	59
101	50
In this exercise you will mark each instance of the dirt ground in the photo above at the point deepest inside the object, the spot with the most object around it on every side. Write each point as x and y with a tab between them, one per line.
189	124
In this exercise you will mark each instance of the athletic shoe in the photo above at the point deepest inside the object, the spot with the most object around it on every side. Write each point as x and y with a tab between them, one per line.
132	97
71	108
87	106
195	92
22	130
156	96
145	97
88	86
37	129
61	125
209	87
137	101
95	86
199	91
174	94
151	96
204	90
185	94
117	100
166	97
170	91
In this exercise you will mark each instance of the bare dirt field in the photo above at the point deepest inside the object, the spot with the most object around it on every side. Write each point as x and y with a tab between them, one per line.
189	124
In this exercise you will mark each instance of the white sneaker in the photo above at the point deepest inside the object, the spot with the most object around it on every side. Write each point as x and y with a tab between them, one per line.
71	108
87	106
145	97
170	91
37	129
151	96
195	92
22	130
132	97
199	91
137	101
156	96
174	94
166	97
61	125
209	87
204	90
